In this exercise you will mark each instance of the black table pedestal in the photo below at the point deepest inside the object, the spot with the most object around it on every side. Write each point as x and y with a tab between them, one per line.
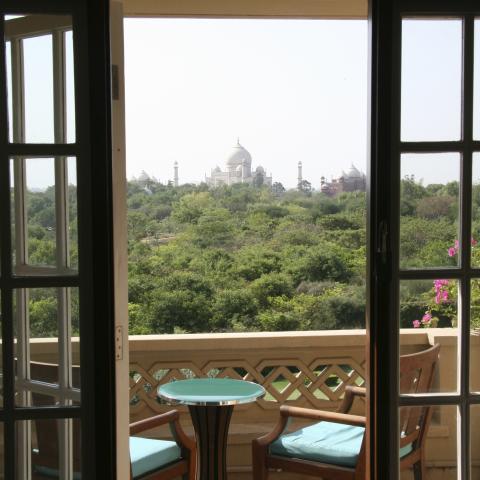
211	431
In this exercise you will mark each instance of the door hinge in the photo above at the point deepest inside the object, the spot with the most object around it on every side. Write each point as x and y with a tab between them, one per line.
118	342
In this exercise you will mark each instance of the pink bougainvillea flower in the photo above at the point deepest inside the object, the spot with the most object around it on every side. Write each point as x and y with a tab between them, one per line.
456	244
451	252
439	284
473	241
416	324
427	317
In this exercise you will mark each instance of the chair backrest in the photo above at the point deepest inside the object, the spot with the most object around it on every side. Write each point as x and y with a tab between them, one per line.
416	376
47	430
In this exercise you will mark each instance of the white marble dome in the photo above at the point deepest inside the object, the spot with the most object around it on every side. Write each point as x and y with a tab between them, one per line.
239	156
353	172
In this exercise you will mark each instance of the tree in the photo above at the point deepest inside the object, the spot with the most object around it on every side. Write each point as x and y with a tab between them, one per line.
271	285
191	206
436	206
231	307
319	263
305	186
258	179
214	228
278	188
253	261
168	311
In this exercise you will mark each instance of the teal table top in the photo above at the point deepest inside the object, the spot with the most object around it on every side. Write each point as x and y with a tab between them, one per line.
210	391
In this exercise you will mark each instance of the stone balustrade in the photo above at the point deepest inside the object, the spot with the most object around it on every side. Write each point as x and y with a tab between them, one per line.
309	369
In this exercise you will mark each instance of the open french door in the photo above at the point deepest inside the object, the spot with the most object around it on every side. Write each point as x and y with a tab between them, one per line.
424	128
57	408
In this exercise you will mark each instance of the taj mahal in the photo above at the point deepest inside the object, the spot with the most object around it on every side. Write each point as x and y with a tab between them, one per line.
238	169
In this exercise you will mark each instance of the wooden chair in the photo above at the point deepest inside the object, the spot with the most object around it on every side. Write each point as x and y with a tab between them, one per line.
150	459
334	448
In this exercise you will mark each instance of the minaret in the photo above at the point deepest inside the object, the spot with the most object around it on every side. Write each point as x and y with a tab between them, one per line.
300	179
175	174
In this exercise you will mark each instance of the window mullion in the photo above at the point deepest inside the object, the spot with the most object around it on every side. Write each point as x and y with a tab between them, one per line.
18	91
61	180
466	216
22	354
21	253
62	248
18	129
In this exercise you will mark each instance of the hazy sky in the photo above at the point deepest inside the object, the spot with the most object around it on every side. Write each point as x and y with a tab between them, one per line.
289	89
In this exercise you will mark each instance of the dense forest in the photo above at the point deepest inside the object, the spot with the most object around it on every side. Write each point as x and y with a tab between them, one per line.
254	258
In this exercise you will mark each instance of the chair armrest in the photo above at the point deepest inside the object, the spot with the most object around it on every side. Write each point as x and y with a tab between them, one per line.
320	415
356	391
153	422
278	430
350	394
171	418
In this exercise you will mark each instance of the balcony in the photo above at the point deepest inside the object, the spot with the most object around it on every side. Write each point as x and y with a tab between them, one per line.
309	369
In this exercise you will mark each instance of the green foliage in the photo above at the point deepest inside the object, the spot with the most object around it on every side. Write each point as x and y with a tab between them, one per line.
187	310
271	285
253	258
322	262
253	261
191	207
43	315
232	308
436	207
213	228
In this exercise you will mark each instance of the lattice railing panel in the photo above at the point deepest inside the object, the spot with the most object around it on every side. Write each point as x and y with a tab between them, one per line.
320	384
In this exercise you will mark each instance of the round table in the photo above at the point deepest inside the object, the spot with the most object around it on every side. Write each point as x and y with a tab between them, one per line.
211	402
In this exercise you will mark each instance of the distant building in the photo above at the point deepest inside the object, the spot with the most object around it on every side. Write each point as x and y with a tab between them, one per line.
238	170
175	174
352	181
145	181
300	176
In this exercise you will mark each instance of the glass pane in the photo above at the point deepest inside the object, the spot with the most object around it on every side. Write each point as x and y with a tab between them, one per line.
475	335
439	445
8	60
46	443
43	318
34	215
475	209
431	79
69	87
38	78
429	199
71	220
44	231
432	305
474	442
476	88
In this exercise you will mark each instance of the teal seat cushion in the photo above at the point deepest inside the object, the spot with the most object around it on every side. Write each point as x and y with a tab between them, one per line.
148	454
326	442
